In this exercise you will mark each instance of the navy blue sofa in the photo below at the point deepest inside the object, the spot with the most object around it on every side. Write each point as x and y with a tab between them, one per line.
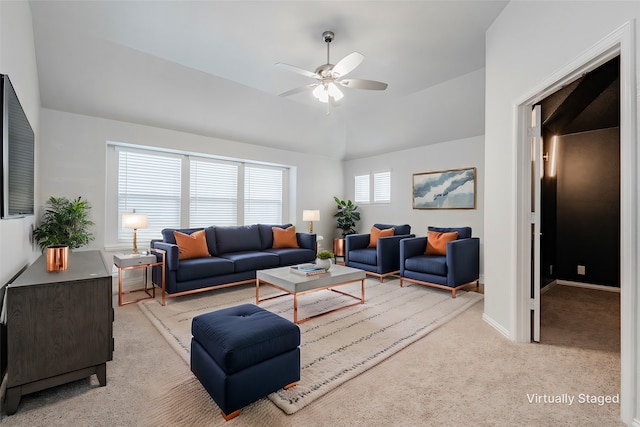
381	261
237	252
459	267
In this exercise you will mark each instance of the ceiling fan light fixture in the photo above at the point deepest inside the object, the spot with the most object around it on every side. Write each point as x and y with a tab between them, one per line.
321	93
334	92
329	76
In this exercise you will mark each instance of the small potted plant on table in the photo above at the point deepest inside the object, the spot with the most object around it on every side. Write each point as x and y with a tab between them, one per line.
323	259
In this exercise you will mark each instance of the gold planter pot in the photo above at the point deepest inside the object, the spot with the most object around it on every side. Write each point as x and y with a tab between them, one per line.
57	257
338	246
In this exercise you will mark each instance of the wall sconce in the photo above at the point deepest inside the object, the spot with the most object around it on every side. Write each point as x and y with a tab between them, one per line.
134	221
552	166
312	215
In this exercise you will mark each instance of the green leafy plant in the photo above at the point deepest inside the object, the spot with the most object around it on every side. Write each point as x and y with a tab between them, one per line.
65	222
347	216
325	255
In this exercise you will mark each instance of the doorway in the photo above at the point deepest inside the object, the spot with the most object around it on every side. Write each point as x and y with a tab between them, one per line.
580	206
619	43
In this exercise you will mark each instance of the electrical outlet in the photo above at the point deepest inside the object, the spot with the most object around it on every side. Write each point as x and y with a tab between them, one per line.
582	270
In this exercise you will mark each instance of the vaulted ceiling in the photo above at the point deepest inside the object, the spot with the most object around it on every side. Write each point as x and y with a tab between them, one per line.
207	67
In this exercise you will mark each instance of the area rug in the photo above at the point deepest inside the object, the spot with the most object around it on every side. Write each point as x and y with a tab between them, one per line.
335	347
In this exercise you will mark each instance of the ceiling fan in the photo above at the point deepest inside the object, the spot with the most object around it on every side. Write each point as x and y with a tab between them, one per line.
329	76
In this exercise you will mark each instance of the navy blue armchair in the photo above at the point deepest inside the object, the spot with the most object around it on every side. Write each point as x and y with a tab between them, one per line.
381	260
459	267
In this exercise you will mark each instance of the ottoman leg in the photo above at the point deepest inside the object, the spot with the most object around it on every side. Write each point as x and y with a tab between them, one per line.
288	386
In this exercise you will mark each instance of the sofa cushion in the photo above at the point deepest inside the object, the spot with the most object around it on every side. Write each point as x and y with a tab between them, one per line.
284	237
463	232
200	268
192	245
290	256
364	256
437	242
397	229
237	239
376	233
252	260
210	234
431	264
266	234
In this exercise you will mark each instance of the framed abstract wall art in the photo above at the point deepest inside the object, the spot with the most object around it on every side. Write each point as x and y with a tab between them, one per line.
451	189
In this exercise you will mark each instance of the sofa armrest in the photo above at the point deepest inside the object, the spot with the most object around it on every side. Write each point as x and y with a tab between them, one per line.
307	241
388	251
171	260
463	261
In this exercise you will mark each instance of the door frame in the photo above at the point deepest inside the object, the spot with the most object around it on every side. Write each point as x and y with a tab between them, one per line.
620	42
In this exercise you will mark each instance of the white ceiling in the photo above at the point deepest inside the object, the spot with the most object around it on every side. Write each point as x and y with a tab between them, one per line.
207	67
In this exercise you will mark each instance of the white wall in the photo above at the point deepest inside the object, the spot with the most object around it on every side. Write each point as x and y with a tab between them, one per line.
463	153
17	60
529	43
421	118
73	159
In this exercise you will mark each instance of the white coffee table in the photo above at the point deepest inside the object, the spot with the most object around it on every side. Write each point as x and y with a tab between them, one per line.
296	284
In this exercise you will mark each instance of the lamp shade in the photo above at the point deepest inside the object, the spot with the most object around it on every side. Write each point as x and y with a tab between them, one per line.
134	220
311	215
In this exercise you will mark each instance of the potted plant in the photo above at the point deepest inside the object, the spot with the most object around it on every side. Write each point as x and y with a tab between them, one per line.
347	216
64	226
323	259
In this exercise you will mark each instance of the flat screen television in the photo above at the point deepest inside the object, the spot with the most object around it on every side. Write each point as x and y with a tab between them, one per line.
17	155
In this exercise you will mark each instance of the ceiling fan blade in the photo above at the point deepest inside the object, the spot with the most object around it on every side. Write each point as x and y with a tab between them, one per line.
297	70
348	63
298	90
363	84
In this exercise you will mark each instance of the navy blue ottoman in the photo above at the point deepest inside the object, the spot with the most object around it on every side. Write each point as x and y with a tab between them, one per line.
241	354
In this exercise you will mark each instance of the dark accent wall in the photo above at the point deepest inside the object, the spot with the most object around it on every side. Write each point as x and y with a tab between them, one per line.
581	204
588	207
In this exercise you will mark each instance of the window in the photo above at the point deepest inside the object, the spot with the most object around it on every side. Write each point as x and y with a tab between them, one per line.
138	188
180	190
381	188
362	189
262	195
213	193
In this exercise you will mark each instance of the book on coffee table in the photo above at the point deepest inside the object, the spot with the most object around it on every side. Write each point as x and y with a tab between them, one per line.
308	269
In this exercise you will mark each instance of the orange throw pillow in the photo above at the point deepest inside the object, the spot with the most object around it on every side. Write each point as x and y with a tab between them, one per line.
437	242
284	237
192	245
376	234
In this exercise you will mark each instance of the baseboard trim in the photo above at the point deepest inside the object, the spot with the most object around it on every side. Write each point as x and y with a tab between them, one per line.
588	286
496	326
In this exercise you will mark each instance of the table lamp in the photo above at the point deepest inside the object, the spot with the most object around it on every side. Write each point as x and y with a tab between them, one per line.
134	221
312	215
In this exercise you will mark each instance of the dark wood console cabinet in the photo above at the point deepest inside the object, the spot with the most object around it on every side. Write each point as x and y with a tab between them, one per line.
59	325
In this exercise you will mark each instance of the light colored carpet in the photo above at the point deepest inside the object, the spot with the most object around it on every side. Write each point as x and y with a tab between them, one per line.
586	318
464	373
334	348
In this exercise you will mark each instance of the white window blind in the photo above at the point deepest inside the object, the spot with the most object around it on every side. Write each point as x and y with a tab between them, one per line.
262	195
382	187
362	189
150	184
213	198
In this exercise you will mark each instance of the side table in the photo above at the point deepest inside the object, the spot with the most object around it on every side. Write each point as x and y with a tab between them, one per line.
134	261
